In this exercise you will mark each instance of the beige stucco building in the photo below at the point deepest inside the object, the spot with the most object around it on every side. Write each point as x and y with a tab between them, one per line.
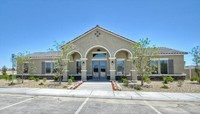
103	55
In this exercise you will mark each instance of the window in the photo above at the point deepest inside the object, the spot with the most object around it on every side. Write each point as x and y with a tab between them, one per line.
164	66
48	67
25	67
54	67
154	66
99	55
78	67
120	67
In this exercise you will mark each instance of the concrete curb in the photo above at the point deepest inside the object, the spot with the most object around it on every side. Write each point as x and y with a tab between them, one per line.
126	95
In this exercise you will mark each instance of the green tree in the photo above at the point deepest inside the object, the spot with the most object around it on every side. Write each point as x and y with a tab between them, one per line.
142	53
196	59
21	58
63	57
4	70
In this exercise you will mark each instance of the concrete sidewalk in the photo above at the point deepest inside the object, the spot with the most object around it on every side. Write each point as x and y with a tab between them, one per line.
104	94
104	86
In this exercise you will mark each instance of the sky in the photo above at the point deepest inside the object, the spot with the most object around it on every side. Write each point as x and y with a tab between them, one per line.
34	25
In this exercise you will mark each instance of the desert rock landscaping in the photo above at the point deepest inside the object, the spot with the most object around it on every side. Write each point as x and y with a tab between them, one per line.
38	83
156	86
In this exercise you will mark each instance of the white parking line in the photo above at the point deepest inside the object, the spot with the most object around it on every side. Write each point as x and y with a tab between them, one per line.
152	107
79	109
16	103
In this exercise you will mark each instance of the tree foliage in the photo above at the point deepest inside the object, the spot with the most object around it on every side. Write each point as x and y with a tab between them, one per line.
63	57
4	70
21	58
142	53
196	58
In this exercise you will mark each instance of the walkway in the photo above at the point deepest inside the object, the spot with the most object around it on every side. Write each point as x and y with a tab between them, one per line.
131	95
104	86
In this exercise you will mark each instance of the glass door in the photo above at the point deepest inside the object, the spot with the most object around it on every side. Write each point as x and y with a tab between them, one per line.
99	69
102	70
95	66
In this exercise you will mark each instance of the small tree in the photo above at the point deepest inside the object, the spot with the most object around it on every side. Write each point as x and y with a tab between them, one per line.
4	70
196	59
142	53
63	57
21	58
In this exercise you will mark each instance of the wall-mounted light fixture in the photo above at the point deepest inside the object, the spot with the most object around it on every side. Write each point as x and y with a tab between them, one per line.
83	62
112	62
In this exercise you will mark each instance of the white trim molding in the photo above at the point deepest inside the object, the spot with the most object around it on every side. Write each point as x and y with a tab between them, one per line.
74	52
97	46
123	49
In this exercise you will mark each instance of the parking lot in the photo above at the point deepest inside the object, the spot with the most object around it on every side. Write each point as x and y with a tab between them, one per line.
24	104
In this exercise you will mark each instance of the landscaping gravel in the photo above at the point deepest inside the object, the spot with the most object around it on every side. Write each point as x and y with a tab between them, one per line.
154	86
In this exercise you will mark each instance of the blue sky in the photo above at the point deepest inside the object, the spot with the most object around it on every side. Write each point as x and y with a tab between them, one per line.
33	25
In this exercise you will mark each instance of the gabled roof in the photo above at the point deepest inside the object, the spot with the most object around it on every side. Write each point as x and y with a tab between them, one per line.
105	30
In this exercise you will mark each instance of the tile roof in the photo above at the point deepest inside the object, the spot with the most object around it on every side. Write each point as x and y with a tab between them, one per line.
165	50
52	54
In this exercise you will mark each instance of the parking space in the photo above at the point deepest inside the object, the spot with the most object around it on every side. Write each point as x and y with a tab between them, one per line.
21	104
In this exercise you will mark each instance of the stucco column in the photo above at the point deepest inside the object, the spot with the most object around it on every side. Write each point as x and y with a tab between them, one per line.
65	75
112	68
84	69
133	72
66	72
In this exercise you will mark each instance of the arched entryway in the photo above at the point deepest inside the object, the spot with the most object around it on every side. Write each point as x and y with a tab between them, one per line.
74	64
98	63
123	63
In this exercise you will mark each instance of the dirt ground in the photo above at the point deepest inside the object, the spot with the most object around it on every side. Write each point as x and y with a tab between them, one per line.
34	84
154	86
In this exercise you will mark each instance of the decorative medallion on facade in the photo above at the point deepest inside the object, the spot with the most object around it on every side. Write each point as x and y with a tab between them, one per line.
97	33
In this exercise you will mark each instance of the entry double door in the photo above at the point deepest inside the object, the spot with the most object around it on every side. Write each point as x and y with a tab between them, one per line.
99	69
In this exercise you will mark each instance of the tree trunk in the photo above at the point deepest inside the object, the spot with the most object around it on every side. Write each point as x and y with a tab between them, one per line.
22	78
142	80
60	79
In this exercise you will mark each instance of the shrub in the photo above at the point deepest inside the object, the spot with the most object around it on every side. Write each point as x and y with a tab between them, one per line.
167	79
7	77
137	87
11	83
31	78
198	80
147	79
123	77
44	79
70	81
56	77
64	86
37	79
193	78
41	83
18	80
164	87
72	78
1	76
180	83
170	79
125	82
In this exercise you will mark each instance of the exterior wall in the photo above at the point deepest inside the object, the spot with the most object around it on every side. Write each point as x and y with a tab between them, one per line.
111	42
190	72
178	62
38	66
